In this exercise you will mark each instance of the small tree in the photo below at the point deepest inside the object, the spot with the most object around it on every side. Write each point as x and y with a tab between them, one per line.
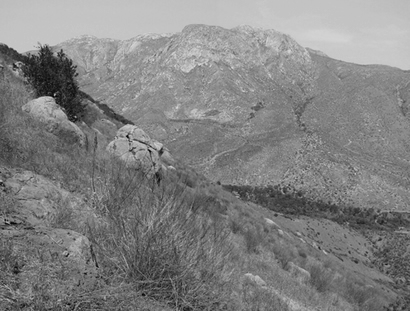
54	75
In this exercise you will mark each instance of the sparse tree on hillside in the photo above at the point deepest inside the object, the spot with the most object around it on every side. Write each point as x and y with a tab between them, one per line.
54	75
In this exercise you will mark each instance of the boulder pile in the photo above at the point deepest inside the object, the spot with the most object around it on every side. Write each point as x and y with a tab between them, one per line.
138	150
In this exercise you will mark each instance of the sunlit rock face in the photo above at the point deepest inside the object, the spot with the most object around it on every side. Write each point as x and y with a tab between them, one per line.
252	106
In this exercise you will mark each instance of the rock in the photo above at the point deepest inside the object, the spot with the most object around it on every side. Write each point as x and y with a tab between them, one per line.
314	244
280	232
76	245
42	251
138	150
45	110
131	132
271	222
299	273
39	199
401	281
37	195
47	252
255	279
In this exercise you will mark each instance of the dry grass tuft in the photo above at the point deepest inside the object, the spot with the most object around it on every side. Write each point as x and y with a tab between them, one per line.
152	238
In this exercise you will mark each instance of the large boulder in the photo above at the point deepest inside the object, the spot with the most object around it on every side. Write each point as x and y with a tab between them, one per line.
46	110
138	150
39	200
35	215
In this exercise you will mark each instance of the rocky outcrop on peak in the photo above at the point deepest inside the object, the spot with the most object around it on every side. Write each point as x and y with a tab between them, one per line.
46	110
248	106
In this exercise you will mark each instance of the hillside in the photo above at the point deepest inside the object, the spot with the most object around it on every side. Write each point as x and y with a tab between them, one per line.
247	106
81	229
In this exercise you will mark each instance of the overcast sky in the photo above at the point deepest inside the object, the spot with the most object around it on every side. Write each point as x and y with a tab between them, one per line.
359	31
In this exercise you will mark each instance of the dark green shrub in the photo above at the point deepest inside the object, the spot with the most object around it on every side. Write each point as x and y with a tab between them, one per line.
54	75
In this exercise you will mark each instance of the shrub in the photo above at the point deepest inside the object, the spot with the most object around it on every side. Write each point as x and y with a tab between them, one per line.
235	226
253	238
151	238
320	277
54	75
283	253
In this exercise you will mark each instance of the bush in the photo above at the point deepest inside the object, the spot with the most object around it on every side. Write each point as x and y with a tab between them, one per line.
320	277
253	238
151	238
54	75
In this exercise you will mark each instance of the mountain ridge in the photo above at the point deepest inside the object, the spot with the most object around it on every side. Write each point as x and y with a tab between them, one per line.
253	107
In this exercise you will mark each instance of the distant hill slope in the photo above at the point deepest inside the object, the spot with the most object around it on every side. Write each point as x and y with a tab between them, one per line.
253	107
9	55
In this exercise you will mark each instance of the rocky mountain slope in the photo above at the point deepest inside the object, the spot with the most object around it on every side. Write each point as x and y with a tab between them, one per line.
248	106
65	204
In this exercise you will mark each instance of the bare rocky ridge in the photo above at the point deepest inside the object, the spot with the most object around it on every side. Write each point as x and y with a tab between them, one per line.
250	106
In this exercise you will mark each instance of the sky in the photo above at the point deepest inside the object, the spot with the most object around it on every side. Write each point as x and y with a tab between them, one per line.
358	31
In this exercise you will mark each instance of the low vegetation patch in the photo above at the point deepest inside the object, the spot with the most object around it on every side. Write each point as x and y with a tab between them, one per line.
152	238
287	200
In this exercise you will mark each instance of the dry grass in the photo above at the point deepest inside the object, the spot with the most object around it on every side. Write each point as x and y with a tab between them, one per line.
170	242
24	142
320	277
152	238
7	203
255	298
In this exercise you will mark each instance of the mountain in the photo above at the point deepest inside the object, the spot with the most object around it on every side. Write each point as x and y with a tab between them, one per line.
247	106
65	207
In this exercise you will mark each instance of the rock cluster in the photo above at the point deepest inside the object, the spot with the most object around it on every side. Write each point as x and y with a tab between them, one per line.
138	150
